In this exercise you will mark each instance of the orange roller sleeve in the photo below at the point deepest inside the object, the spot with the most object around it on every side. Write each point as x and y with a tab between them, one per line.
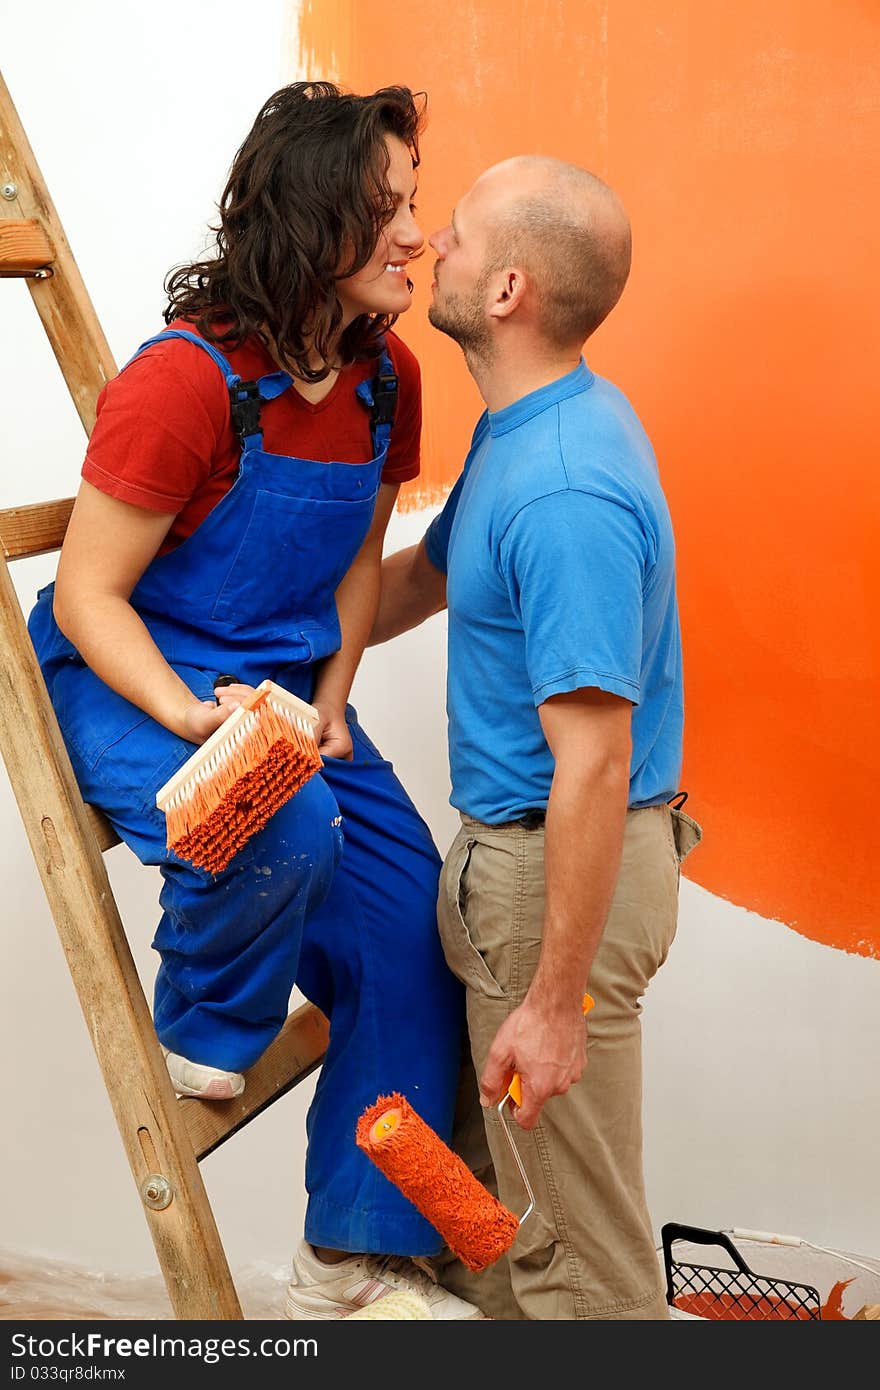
475	1225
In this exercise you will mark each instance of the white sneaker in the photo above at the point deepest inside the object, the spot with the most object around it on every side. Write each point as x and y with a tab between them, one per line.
321	1290
195	1079
399	1305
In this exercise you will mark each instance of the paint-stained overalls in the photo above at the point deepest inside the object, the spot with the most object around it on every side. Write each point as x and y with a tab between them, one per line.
338	892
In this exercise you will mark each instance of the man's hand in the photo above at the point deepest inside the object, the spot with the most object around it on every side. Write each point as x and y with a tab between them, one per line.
332	732
548	1048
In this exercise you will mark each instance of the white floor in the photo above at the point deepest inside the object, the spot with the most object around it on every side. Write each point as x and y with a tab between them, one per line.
39	1289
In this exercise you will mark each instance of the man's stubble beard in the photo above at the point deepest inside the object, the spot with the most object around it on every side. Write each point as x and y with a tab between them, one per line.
462	319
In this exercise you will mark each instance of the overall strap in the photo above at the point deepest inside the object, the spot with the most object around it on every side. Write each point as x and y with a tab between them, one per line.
245	397
379	395
209	348
245	400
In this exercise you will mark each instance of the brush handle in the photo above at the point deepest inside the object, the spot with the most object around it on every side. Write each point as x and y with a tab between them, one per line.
514	1090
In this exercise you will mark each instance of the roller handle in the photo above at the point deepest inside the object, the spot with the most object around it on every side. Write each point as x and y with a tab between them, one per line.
514	1090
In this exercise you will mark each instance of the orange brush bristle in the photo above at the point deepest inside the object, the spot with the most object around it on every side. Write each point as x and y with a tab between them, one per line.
263	753
475	1225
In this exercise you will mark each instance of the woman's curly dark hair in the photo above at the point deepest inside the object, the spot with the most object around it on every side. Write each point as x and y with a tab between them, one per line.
304	206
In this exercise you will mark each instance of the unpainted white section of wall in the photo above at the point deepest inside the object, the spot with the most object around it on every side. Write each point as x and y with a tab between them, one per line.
761	1046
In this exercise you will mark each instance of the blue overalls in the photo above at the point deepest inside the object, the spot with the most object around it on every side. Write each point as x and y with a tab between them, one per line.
338	892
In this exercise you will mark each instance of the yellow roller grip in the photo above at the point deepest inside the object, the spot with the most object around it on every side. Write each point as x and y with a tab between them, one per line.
514	1090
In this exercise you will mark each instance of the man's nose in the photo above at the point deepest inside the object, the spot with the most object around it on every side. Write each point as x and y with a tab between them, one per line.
435	241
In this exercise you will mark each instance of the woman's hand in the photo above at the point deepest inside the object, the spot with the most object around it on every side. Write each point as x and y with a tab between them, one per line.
202	717
334	739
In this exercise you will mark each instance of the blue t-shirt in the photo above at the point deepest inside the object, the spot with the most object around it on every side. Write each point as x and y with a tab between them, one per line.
560	558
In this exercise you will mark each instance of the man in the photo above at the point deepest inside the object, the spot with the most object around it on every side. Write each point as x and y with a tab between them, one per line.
555	556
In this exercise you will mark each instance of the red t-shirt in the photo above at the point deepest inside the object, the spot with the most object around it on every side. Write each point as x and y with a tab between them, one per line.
163	438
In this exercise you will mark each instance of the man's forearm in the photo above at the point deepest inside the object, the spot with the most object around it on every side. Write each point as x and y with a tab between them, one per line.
583	840
544	1039
412	590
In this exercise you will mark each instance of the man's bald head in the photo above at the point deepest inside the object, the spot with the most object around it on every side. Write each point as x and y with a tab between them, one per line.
568	231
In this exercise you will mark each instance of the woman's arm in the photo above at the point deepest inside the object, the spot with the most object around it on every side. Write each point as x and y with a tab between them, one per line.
106	550
357	601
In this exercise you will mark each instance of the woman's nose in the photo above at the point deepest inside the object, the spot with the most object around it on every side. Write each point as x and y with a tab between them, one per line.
411	235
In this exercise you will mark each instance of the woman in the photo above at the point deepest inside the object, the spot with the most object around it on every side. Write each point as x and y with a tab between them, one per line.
235	495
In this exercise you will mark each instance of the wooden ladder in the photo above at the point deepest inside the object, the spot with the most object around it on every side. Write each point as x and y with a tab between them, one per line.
164	1138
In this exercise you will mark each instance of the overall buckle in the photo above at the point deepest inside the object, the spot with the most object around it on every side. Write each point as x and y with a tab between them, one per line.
244	407
384	392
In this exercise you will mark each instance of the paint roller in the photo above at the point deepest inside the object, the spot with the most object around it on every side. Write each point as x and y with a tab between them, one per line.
477	1227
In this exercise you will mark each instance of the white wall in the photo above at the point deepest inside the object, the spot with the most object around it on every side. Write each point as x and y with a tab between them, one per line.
761	1047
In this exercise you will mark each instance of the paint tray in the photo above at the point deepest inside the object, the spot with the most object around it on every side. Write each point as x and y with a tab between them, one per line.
739	1294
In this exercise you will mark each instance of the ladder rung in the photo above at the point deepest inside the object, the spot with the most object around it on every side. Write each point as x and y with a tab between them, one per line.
24	246
296	1051
104	832
35	529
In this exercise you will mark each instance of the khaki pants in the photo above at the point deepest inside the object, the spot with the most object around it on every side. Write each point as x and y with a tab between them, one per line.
587	1251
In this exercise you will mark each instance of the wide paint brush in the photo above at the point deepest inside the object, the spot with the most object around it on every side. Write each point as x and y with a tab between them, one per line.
264	752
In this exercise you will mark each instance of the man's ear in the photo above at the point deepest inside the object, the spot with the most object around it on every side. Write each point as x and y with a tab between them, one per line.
508	292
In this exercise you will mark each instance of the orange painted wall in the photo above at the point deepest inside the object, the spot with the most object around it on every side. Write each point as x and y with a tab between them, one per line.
744	140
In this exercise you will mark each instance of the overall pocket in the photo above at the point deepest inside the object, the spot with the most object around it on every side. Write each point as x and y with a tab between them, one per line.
292	557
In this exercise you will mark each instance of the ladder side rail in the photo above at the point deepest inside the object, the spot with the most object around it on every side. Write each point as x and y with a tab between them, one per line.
61	299
75	880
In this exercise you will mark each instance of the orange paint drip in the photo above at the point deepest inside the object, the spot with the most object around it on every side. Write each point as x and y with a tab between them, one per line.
475	1225
832	1308
252	779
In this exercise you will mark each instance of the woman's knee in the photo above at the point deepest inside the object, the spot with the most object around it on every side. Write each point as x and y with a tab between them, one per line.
297	851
